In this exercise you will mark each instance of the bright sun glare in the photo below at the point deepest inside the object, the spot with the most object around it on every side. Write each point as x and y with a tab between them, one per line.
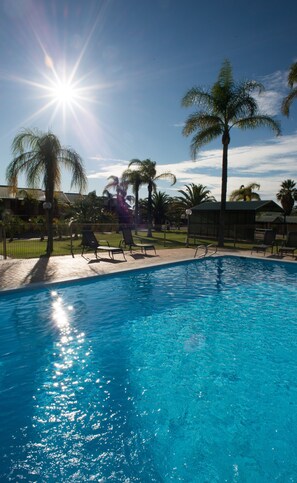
64	92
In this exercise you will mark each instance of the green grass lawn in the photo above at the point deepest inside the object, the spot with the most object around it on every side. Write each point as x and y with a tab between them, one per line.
34	248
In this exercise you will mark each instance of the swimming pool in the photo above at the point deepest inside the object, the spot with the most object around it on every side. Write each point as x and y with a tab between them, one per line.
179	373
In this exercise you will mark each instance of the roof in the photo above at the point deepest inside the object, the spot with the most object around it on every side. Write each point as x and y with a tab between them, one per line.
266	218
247	206
38	194
291	219
6	193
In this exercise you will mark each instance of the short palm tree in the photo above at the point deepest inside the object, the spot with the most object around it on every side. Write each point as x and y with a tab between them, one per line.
40	156
292	79
225	105
193	195
133	177
160	207
287	195
246	193
148	172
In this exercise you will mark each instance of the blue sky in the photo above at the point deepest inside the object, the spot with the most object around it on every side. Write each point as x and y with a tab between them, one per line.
127	64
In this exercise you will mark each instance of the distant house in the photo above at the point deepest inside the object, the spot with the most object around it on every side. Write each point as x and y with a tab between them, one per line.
14	203
240	218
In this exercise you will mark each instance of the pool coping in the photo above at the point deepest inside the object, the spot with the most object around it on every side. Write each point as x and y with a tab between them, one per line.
130	269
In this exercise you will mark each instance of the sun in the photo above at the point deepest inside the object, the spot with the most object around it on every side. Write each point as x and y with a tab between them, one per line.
64	93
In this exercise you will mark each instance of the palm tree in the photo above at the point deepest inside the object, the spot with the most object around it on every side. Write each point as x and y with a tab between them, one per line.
246	193
148	172
133	177
40	156
160	207
225	105
292	79
193	195
287	195
120	186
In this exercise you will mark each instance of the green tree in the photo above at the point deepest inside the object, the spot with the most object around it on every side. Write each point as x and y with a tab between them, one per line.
160	207
246	193
225	105
133	178
40	156
193	195
292	79
148	172
287	195
88	209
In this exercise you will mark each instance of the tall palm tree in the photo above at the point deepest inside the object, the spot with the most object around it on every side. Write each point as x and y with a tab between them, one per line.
292	79
246	193
193	195
120	186
225	105
40	156
133	177
287	195
148	172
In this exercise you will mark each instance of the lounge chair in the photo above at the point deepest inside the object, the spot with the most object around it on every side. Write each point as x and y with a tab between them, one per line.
89	241
267	242
290	245
129	242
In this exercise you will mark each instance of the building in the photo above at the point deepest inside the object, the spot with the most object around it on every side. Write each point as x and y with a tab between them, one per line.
240	218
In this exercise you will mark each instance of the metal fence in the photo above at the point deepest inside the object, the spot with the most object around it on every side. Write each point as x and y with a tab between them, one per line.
30	241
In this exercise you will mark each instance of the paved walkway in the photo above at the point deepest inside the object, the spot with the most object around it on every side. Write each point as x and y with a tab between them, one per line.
21	273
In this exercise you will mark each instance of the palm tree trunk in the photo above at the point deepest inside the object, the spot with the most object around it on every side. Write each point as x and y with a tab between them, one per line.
136	210
149	210
221	235
50	234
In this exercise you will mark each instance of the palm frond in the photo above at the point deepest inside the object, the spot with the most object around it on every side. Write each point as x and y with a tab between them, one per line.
292	76
225	77
241	105
201	120
197	96
167	175
254	122
137	162
250	86
287	102
204	137
72	160
25	138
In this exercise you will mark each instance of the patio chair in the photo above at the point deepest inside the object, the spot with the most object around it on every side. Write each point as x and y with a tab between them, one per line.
290	245
267	242
89	241
129	242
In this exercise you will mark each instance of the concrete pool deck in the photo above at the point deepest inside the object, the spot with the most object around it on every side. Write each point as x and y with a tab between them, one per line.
22	273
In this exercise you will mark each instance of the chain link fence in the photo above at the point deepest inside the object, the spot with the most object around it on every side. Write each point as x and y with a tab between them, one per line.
29	240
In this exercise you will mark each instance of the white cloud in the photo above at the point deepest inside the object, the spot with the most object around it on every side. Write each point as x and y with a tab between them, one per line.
271	99
267	164
269	102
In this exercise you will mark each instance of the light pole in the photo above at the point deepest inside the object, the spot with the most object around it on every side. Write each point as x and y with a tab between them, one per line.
188	213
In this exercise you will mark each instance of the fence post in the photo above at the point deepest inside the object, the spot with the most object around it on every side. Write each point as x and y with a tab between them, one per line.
4	242
164	237
71	242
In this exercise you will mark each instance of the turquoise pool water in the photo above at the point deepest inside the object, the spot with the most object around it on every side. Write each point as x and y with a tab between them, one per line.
181	373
